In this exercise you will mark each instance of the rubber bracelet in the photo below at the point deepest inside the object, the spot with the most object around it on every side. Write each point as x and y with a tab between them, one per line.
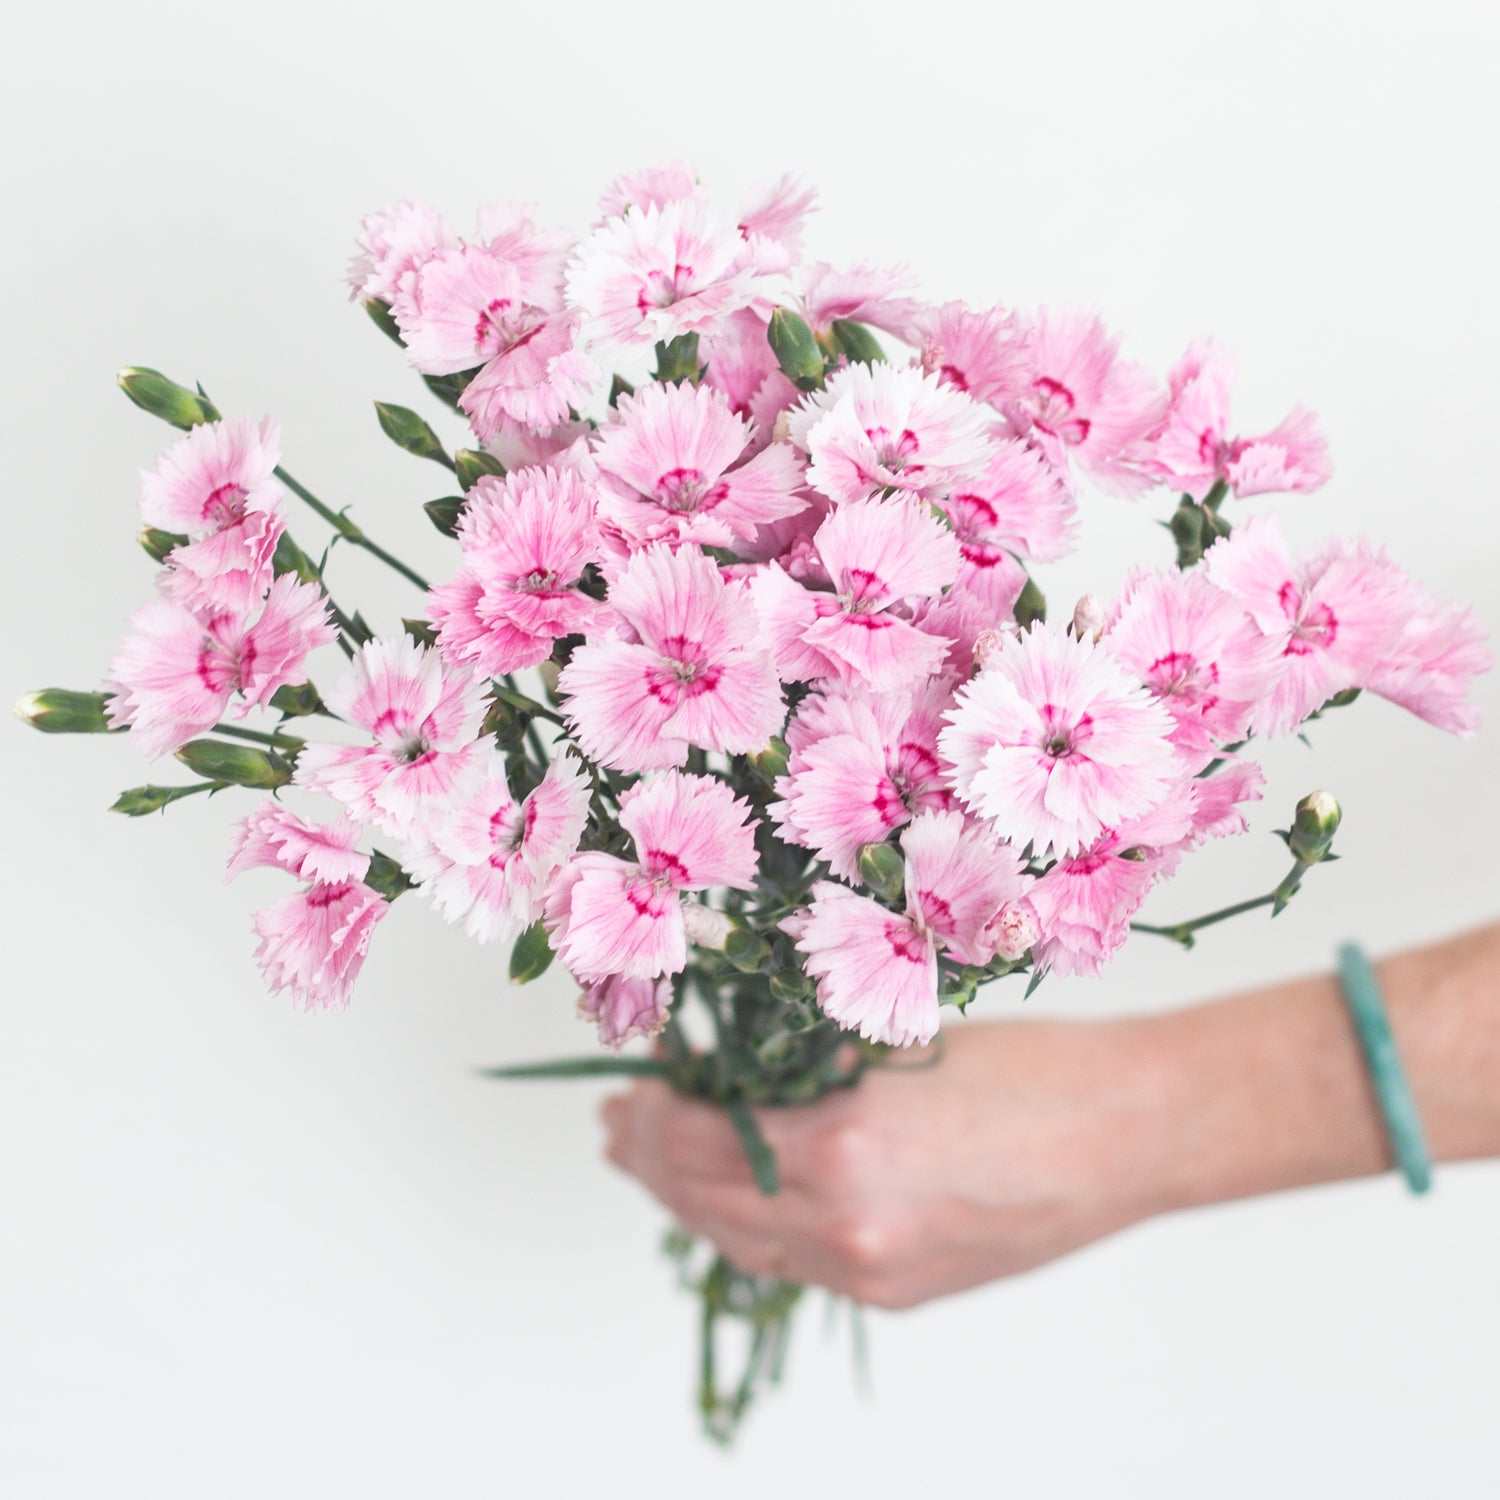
1403	1125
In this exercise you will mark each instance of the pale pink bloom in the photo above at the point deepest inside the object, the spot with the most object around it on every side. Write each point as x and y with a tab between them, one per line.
1018	504
536	382
1084	904
1216	813
508	230
228	572
863	293
689	672
175	675
982	354
314	943
1434	661
393	244
320	852
776	215
487	860
1080	400
738	362
564	447
660	272
1194	449
526	541
1198	652
623	1008
652	187
423	720
1013	931
1053	742
878	428
860	765
965	615
613	916
666	470
1331	620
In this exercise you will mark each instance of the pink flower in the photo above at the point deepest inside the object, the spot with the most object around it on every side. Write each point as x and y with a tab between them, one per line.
877	428
1082	400
666	470
526	540
775	217
861	764
982	354
535	382
1193	449
1216	798
1198	652
174	677
688	673
660	272
863	293
1053	742
423	720
1434	661
876	554
1017	504
487	860
623	1008
1084	905
314	943
612	916
318	852
393	244
653	187
1330	621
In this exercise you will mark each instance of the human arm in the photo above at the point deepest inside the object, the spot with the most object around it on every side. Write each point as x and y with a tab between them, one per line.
1027	1139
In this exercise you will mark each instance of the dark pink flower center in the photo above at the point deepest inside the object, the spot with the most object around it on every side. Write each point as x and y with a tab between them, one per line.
663	868
225	505
1179	674
893	450
905	941
662	290
1061	737
687	490
1053	412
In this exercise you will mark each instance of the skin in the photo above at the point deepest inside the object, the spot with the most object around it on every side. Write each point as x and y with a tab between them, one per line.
1020	1141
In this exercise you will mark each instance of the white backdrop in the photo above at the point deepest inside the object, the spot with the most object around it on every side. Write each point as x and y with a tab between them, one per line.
252	1253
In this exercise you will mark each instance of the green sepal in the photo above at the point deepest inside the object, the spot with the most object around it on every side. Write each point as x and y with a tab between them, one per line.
882	870
290	558
531	956
380	316
678	360
796	350
445	513
471	466
138	801
855	342
156	544
386	877
297	702
619	386
64	711
420	631
1031	605
748	952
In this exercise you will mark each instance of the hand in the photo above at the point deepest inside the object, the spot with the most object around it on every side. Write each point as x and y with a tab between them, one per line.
1015	1144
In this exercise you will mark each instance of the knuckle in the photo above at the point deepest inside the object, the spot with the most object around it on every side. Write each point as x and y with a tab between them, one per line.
842	1152
858	1240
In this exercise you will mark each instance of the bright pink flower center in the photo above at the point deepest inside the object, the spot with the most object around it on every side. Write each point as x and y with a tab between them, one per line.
893	451
663	868
1053	412
662	290
1313	629
1061	738
1178	674
688	490
906	942
321	896
225	505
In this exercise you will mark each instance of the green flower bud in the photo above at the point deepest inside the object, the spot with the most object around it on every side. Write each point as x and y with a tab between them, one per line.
855	342
296	702
154	393
140	800
531	956
290	558
790	986
380	316
796	350
471	466
746	951
1031	605
1317	819
385	877
882	870
678	360
237	765
409	431
770	762
156	544
62	711
445	513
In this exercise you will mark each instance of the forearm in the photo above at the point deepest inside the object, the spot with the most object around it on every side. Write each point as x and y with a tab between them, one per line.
1268	1090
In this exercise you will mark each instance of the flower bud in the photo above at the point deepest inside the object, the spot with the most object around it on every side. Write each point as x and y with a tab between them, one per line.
1013	930
290	558
154	393
62	711
386	877
409	431
444	513
1090	616
1317	819
882	870
705	927
855	342
472	466
677	359
748	952
156	544
531	956
237	765
141	800
770	762
796	350
296	702
790	986
988	645
1031	605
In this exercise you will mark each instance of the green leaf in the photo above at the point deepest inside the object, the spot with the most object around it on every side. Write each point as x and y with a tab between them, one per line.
531	956
583	1067
380	316
385	877
760	1156
471	466
445	513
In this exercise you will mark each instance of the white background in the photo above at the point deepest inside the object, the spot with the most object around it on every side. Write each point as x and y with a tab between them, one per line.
248	1252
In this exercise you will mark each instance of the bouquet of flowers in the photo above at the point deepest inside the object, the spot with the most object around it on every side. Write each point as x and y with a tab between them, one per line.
742	700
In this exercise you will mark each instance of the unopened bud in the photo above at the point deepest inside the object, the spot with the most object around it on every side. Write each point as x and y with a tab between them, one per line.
157	544
237	765
296	702
290	558
386	877
1090	616
770	762
705	927
1031	605
154	393
677	359
472	465
747	952
882	870
796	350
445	513
62	711
855	342
789	986
781	428
1317	819
141	800
531	956
409	431
1014	930
988	645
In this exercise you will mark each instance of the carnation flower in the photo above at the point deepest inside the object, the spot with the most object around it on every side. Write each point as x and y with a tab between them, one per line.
689	673
176	674
526	541
665	466
1194	451
653	187
615	917
314	943
877	428
982	354
393	244
660	272
1432	664
318	852
775	217
1018	504
423	720
622	1007
536	382
1053	742
862	293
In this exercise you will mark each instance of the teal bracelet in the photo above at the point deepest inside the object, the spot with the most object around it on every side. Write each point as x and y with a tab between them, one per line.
1403	1125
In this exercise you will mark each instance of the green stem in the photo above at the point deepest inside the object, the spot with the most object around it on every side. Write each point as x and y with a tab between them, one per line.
1182	932
349	531
259	737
